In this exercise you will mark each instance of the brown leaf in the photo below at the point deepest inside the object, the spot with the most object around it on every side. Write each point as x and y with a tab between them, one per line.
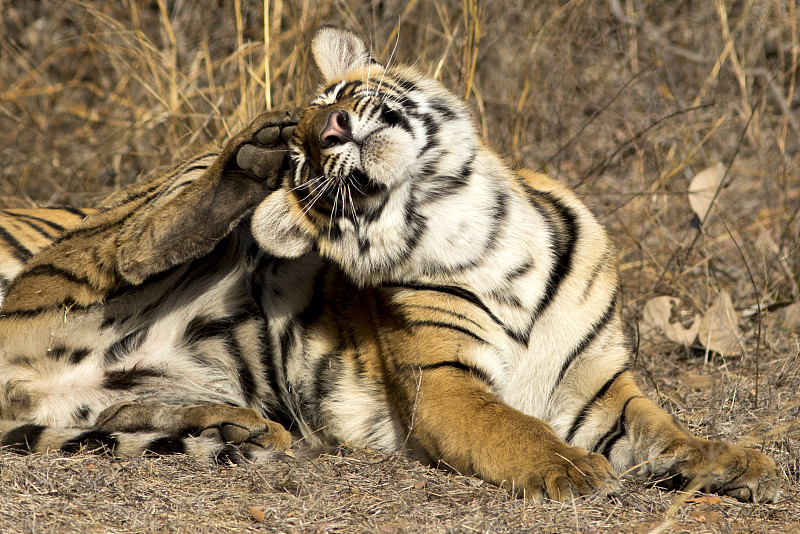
719	330
791	317
656	320
703	187
257	514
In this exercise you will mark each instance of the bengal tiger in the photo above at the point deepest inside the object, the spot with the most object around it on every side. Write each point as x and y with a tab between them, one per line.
397	286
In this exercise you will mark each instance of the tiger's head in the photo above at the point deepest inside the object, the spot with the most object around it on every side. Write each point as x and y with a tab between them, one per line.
376	157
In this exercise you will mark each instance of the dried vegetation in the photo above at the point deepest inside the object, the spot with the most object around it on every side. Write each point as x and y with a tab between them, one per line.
625	100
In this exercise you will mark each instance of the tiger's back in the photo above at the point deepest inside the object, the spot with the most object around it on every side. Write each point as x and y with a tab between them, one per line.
25	231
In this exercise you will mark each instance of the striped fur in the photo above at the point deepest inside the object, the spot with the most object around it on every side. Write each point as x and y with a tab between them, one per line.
24	232
453	306
135	319
411	292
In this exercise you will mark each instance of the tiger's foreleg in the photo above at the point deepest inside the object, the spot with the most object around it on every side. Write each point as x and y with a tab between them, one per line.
457	422
188	222
657	445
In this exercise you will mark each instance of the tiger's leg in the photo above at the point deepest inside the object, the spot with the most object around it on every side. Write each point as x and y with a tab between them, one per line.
233	424
246	170
634	431
459	423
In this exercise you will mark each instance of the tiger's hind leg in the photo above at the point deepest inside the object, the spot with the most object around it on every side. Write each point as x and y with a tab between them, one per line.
646	437
230	424
196	215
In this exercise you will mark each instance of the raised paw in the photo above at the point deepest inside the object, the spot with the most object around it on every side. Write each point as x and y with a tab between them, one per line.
728	469
261	148
568	472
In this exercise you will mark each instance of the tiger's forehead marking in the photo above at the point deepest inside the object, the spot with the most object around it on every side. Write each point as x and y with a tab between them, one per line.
384	84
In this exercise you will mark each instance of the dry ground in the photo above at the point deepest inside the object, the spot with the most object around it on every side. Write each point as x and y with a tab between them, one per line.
625	100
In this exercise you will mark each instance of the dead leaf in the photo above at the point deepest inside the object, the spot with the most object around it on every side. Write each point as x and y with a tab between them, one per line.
791	317
703	187
257	514
656	318
719	329
290	453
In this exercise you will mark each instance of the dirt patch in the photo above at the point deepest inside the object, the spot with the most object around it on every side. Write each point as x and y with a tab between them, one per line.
362	491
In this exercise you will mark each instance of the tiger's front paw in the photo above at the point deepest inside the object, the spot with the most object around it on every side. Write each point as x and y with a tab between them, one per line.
239	426
566	472
728	469
261	148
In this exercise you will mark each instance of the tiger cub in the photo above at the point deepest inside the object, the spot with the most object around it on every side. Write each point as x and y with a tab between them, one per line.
411	293
420	294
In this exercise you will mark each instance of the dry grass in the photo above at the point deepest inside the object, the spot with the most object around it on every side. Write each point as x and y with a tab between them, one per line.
625	100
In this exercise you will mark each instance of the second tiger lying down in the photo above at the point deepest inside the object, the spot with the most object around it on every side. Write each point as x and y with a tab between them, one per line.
410	291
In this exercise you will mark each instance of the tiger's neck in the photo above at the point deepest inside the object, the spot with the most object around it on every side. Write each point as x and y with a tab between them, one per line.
478	233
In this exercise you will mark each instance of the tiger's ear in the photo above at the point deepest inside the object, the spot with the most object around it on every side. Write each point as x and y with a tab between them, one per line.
277	230
337	50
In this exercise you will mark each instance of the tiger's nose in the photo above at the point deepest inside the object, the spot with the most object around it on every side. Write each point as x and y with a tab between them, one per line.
337	131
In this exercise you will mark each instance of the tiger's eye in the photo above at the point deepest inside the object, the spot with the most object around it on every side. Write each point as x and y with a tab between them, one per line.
390	116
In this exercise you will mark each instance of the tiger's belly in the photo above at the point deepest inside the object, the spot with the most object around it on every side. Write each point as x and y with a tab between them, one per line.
167	341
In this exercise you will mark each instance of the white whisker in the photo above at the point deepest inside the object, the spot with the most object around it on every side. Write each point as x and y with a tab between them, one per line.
310	191
352	182
354	215
308	183
326	185
335	204
388	63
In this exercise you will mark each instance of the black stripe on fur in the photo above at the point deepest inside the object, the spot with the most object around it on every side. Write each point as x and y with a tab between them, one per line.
584	413
22	439
91	441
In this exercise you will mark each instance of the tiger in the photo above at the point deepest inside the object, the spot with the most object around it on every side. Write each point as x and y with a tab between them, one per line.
396	286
